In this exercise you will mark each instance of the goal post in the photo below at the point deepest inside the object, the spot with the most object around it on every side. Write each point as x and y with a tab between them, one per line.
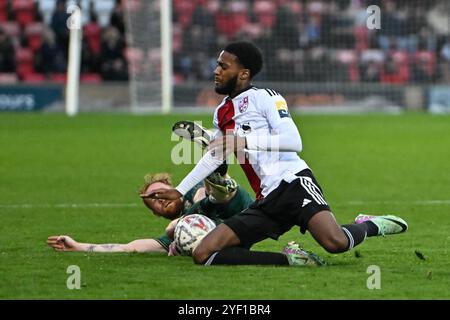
149	54
166	56
73	67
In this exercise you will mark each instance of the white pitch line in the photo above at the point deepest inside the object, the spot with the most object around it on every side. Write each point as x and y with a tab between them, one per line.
133	205
405	202
69	205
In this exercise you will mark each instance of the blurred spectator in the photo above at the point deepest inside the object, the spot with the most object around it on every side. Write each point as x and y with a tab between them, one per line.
199	44
231	17
203	15
196	46
38	17
304	40
420	72
318	66
391	73
113	63
392	24
336	26
50	57
281	67
59	25
370	71
285	31
7	53
445	62
89	60
313	30
117	17
92	32
370	66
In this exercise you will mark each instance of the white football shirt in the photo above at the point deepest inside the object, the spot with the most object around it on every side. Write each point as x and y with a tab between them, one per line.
273	140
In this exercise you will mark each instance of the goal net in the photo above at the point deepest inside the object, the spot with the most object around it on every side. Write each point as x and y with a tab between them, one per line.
148	54
321	55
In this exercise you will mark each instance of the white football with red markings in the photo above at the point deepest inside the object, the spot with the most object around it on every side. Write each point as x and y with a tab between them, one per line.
190	230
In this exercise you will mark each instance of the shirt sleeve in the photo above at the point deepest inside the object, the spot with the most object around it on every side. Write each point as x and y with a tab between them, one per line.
204	168
164	241
284	133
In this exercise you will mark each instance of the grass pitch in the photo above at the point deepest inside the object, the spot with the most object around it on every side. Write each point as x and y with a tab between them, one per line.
80	176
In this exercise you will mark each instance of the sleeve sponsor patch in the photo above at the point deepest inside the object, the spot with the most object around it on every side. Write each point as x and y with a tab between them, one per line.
282	109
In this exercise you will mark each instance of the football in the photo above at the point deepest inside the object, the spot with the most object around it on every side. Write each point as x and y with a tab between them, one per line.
190	230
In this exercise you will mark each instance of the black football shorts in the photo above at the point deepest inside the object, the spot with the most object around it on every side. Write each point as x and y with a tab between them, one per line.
288	205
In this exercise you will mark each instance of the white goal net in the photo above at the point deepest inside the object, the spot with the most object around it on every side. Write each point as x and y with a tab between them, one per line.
321	55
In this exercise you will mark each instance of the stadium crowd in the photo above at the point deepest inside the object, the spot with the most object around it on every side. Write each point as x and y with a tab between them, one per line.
320	41
303	40
34	40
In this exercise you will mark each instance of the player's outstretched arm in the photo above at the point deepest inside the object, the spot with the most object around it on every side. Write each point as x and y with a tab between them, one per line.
67	244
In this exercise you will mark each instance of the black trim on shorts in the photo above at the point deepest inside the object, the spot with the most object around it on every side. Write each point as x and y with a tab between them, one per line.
162	244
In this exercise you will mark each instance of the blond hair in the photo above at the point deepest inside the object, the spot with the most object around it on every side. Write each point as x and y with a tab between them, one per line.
150	179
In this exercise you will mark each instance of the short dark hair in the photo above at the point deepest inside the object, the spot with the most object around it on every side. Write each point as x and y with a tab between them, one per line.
248	54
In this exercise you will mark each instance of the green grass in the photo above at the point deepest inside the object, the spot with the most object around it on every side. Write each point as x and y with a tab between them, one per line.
365	163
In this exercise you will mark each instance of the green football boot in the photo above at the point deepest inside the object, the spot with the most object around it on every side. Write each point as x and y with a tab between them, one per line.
387	224
300	257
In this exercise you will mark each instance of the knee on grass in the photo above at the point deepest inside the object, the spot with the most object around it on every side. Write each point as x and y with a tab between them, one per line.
200	256
335	244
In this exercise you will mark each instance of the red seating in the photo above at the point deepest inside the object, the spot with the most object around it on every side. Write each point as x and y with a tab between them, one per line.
265	12
427	58
90	78
230	24
24	11
25	62
34	78
3	10
58	78
132	5
184	10
11	28
349	59
8	78
401	57
362	39
135	58
33	33
177	38
92	32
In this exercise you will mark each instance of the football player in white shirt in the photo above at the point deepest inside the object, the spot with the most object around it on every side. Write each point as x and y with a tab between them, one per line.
256	125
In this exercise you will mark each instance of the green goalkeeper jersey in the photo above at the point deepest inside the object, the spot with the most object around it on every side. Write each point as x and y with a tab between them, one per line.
215	211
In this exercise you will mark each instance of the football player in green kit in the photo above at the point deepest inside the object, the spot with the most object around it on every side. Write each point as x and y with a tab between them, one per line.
219	198
225	198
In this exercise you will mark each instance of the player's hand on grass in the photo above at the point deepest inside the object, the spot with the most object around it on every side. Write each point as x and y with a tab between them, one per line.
167	194
173	250
62	243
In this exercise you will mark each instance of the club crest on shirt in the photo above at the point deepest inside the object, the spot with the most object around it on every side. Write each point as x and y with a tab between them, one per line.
243	104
